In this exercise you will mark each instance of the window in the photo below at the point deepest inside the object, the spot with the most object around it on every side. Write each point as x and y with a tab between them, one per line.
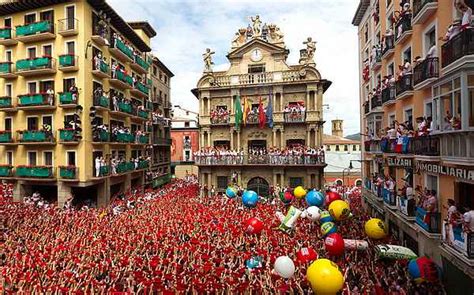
30	18
406	55
71	158
391	119
32	52
32	87
9	158
68	120
391	69
296	181
67	83
45	85
337	147
48	120
346	148
8	23
8	90
154	71
470	100
8	55
448	102
47	15
48	158
70	13
256	68
71	47
428	109
186	124
354	147
328	148
32	158
32	123
8	124
222	182
430	39
48	50
366	33
408	116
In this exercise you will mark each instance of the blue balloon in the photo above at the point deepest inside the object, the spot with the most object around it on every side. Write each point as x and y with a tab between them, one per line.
250	199
325	217
413	269
315	198
231	192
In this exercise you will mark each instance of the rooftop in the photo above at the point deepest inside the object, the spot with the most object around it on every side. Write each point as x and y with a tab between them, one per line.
332	139
361	9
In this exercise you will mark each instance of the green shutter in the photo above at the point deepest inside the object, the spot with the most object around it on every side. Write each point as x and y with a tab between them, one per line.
5	33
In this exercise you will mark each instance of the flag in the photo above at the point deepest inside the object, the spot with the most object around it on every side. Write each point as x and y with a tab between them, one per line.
238	112
261	115
246	111
270	111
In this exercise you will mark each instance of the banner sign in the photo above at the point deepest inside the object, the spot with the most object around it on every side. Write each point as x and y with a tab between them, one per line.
399	162
460	173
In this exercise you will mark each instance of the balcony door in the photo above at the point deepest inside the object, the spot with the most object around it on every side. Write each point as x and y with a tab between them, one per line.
257	144
48	158
32	158
47	15
70	14
45	85
8	23
30	18
32	123
32	52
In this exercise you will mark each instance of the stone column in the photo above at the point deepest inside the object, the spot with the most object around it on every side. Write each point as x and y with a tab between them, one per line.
238	140
209	180
282	138
63	193
274	179
307	101
274	143
19	191
308	137
209	138
281	102
103	193
232	138
208	106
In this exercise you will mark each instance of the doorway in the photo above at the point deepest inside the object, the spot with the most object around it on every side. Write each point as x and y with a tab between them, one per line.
259	185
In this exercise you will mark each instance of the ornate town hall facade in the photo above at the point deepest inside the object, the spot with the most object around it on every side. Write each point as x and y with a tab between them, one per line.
260	85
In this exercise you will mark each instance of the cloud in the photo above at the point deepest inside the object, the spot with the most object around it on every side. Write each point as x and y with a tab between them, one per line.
186	28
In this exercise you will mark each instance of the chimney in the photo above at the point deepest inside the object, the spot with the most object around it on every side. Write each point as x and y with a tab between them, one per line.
337	128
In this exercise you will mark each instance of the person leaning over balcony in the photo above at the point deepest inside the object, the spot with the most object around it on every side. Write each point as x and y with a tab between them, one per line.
50	96
466	15
74	92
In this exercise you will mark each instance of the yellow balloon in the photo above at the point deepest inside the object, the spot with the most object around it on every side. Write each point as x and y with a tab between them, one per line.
339	209
299	192
325	277
375	229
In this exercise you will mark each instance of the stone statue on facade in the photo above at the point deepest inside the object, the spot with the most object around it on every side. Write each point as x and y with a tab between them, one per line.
276	36
239	38
310	50
256	26
207	57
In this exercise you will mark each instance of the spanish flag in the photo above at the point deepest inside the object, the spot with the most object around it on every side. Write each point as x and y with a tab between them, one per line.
246	110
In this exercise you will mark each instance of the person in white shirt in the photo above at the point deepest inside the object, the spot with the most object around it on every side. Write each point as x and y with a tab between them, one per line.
466	16
468	219
98	162
50	93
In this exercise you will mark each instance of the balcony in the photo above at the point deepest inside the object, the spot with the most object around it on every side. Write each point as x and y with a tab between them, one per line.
261	160
6	104
102	102
404	86
7	70
68	172
377	63
372	146
102	70
375	102
121	80
391	146
143	139
407	207
39	31
458	51
140	65
36	101
122	109
220	120
161	180
123	168
162	141
36	66
423	9
104	171
389	47
143	114
389	199
6	137
140	90
67	100
68	63
143	165
123	138
430	222
403	29
456	148
100	136
458	240
69	136
295	117
6	37
121	51
426	146
425	73
389	95
6	171
35	137
68	27
34	172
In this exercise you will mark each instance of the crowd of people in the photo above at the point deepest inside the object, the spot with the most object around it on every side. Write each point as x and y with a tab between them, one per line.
290	155
220	115
295	112
173	241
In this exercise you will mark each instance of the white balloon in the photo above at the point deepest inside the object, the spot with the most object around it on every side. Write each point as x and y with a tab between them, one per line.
314	213
304	214
284	267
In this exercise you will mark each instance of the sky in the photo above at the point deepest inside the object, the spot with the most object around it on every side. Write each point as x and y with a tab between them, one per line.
186	28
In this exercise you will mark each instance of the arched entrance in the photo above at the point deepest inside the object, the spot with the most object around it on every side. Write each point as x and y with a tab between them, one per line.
259	185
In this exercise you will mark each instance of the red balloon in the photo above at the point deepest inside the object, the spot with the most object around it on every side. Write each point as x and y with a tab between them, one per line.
306	254
253	226
332	196
289	196
334	244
